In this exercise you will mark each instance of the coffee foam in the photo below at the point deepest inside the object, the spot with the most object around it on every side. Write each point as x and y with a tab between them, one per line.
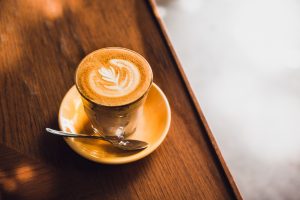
113	76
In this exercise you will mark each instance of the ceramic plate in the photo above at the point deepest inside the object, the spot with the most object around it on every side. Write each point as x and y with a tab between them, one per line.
152	127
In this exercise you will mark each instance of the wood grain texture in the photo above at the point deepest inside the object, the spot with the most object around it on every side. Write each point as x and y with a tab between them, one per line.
41	43
194	101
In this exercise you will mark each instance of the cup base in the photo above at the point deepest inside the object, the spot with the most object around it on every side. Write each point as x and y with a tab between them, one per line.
119	135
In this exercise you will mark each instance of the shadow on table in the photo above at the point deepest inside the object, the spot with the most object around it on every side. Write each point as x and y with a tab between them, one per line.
74	173
34	93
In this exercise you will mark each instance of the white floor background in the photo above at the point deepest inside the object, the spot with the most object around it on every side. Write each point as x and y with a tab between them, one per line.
242	59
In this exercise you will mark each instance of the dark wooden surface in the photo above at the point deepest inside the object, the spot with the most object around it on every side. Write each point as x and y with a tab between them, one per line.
41	43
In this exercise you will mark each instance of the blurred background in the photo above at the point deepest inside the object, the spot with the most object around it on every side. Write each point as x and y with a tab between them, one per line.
242	59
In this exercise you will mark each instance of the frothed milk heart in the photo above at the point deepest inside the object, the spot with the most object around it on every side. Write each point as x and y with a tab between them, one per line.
113	76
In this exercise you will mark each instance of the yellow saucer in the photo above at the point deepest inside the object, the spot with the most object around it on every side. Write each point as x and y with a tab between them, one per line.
152	127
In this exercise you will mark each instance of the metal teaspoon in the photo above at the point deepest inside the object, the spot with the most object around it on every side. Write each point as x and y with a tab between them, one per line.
124	144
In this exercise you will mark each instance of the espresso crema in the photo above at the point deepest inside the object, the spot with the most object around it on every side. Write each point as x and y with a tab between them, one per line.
113	76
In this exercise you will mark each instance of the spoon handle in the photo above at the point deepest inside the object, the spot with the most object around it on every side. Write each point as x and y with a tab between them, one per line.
67	134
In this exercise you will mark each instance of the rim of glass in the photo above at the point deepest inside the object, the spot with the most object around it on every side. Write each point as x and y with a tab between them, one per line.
121	105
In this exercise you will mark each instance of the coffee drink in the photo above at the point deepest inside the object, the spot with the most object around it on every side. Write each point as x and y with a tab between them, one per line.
113	83
113	77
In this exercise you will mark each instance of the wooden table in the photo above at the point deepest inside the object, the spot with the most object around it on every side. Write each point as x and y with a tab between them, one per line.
41	43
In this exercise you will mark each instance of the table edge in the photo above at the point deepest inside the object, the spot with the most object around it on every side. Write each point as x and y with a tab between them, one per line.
163	31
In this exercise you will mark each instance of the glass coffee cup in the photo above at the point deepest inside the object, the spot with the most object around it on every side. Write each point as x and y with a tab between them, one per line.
113	83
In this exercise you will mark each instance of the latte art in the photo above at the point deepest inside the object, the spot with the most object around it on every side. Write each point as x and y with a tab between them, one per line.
113	76
119	78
